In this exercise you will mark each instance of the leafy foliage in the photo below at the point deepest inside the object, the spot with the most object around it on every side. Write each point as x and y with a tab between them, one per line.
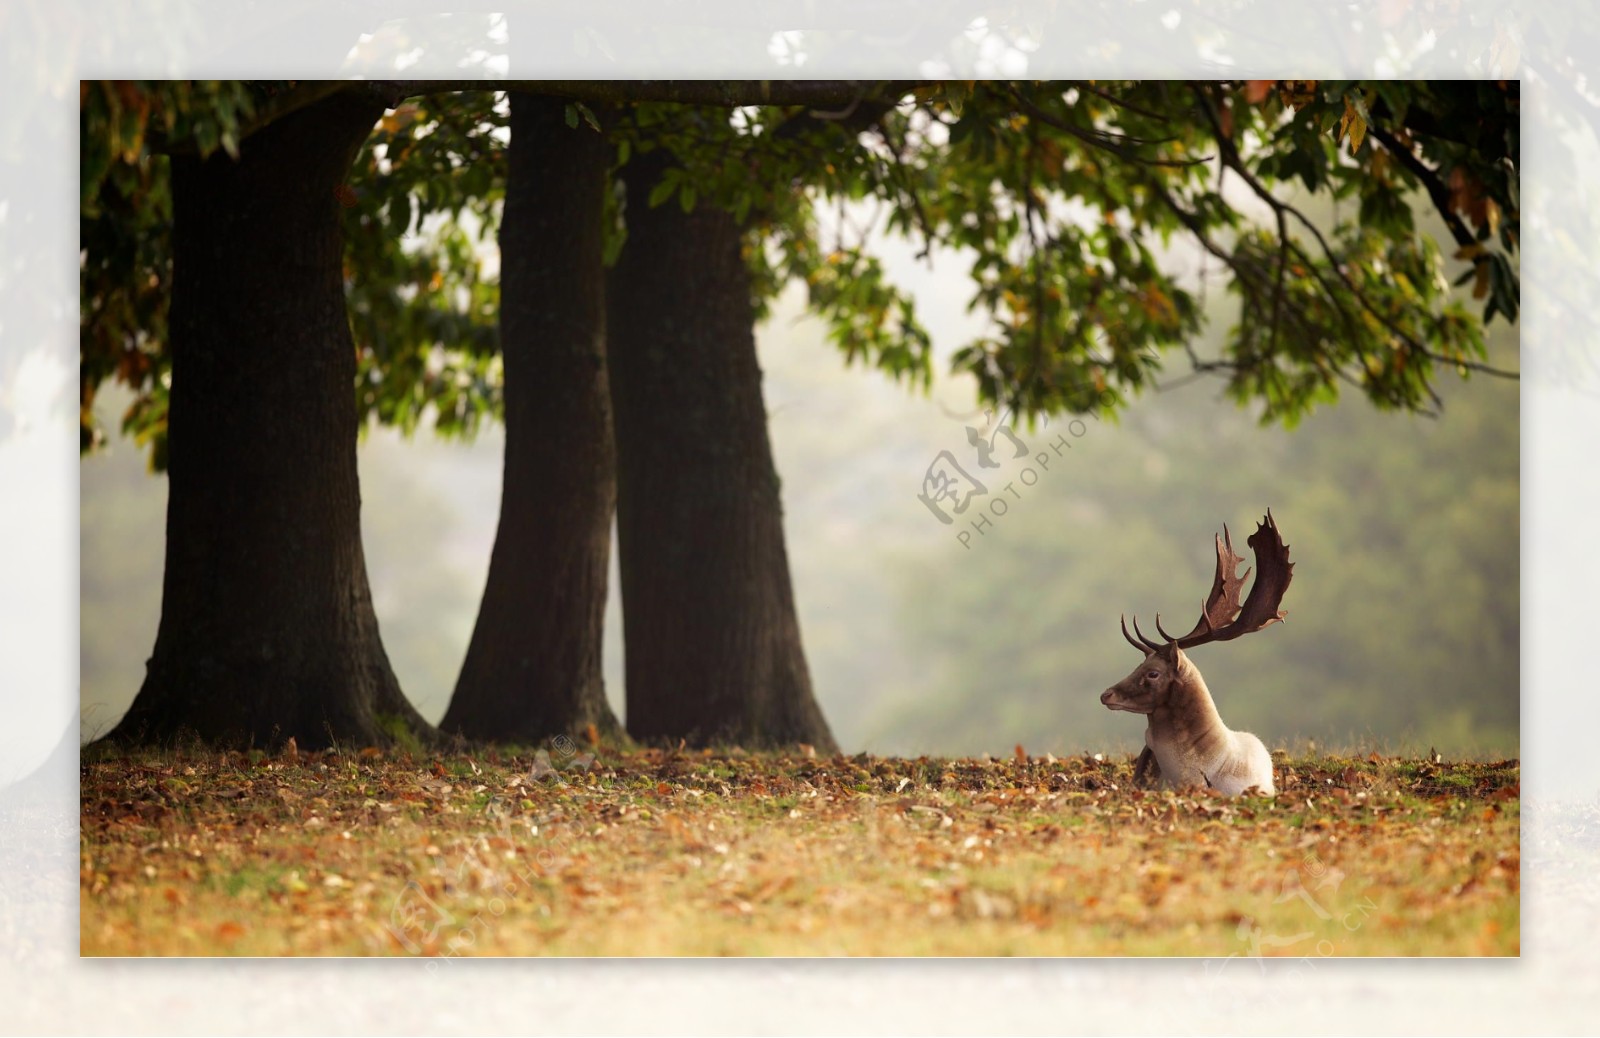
118	118
126	131
1074	189
772	168
125	211
1072	199
1083	207
422	208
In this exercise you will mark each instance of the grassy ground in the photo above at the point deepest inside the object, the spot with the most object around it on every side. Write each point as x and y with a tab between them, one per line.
660	853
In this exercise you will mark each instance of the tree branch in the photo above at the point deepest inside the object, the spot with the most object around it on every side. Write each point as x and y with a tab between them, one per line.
857	117
301	95
1473	365
1230	156
1032	210
1256	282
829	95
908	185
1430	182
1106	95
834	94
1104	142
1198	369
1195	227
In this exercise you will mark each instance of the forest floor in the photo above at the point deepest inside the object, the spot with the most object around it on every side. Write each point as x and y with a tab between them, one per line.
595	851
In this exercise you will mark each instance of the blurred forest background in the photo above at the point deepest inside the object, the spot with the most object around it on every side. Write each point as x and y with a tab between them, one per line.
1403	617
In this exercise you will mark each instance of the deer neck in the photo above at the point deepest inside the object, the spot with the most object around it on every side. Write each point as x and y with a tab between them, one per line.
1189	724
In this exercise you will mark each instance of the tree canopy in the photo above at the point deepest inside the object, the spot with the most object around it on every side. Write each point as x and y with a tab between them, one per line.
1082	209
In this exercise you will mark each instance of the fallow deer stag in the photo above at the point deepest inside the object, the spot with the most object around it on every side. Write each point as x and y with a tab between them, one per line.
1184	736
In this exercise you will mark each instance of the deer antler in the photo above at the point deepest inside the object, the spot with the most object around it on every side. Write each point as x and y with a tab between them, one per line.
1149	646
1222	605
1223	618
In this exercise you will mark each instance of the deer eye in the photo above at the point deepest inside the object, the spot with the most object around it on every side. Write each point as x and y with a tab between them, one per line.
1151	675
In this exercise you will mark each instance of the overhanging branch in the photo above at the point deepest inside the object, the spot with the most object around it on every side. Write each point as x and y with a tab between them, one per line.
726	93
269	111
1116	144
830	95
1430	182
1230	157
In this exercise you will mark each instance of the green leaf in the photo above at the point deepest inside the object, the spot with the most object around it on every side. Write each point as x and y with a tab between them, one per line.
661	192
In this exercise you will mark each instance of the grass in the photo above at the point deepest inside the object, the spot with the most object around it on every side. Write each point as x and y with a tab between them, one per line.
647	852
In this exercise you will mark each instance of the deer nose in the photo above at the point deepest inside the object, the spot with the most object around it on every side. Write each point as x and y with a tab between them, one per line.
1105	697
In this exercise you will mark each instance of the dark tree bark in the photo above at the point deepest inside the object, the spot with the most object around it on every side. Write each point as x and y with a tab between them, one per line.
713	646
267	629
533	666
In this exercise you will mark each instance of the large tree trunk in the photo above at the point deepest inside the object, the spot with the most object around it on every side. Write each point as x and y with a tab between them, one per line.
533	666
712	644
267	629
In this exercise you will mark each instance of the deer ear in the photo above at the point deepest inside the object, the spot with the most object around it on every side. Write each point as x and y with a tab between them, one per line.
1169	652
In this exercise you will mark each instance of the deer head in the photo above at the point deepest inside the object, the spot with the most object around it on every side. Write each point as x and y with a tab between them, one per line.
1185	735
1150	687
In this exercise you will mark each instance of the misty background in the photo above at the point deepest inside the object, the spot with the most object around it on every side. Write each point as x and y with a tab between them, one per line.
1402	632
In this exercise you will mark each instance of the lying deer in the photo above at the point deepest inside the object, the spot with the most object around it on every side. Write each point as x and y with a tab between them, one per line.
1185	738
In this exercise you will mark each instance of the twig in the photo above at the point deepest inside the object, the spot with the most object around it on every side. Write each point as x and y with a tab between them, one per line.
1105	142
918	214
1192	223
824	94
1120	102
1199	369
844	113
1030	208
